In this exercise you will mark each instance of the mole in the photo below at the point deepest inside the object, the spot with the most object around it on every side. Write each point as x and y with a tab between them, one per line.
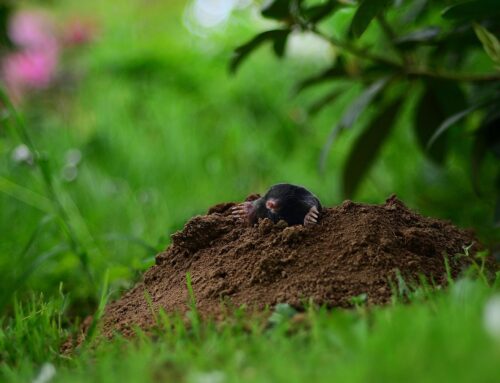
294	204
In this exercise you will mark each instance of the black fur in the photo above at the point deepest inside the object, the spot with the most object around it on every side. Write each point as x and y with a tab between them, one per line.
293	204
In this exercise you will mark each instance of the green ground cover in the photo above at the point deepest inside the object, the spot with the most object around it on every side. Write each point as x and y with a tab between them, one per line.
439	336
164	132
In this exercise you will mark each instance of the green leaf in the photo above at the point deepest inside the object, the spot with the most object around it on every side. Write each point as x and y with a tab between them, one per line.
287	10
424	35
336	71
486	139
490	129
367	146
490	43
324	101
429	114
472	10
351	115
456	117
477	158
277	36
439	100
360	104
277	9
282	313
316	13
416	9
279	43
449	122
450	95
365	13
359	300
496	217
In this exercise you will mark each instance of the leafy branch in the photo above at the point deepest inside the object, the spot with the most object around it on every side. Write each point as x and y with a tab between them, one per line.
405	68
431	56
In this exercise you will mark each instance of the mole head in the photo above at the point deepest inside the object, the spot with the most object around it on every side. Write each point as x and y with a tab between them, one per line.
281	198
292	203
272	204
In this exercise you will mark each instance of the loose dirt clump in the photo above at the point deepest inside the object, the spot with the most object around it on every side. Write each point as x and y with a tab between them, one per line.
354	249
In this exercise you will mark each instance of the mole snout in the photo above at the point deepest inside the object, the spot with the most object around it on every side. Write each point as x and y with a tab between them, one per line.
272	205
294	204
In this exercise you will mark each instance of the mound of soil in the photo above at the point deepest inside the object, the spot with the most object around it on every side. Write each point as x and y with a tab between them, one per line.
354	249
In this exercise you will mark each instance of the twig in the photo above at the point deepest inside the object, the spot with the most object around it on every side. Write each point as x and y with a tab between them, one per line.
462	77
359	52
406	68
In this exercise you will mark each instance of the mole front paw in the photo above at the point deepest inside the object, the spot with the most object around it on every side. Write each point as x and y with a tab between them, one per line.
311	216
242	211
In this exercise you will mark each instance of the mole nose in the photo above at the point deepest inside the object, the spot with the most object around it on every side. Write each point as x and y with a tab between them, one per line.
272	204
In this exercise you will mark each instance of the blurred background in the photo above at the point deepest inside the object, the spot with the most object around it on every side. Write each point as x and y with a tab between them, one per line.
137	125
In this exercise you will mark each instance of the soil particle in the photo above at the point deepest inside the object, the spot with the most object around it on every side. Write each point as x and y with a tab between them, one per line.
354	249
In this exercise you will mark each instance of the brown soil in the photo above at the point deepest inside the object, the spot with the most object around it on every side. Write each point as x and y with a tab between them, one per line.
354	249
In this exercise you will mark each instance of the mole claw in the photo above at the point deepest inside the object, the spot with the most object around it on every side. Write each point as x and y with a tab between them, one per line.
311	216
242	210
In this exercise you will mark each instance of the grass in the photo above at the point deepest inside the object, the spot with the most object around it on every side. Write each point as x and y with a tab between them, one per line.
438	337
163	134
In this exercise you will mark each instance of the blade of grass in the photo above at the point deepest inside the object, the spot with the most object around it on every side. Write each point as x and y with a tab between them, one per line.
15	119
103	300
25	195
8	291
193	313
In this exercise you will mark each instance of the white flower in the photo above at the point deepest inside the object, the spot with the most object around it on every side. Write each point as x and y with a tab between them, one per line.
22	154
208	377
69	173
491	316
208	14
73	157
46	374
70	170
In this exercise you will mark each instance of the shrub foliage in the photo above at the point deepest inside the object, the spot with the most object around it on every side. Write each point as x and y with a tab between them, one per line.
395	48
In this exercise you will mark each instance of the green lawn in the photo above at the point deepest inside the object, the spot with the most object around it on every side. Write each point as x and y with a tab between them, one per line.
439	336
165	132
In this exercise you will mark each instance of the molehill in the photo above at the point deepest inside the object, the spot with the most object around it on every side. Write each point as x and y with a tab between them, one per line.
354	249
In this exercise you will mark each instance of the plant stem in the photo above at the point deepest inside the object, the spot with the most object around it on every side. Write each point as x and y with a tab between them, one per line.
406	68
359	52
463	77
43	166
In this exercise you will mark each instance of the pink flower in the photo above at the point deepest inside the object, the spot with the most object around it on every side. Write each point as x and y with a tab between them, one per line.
34	64
30	69
32	29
